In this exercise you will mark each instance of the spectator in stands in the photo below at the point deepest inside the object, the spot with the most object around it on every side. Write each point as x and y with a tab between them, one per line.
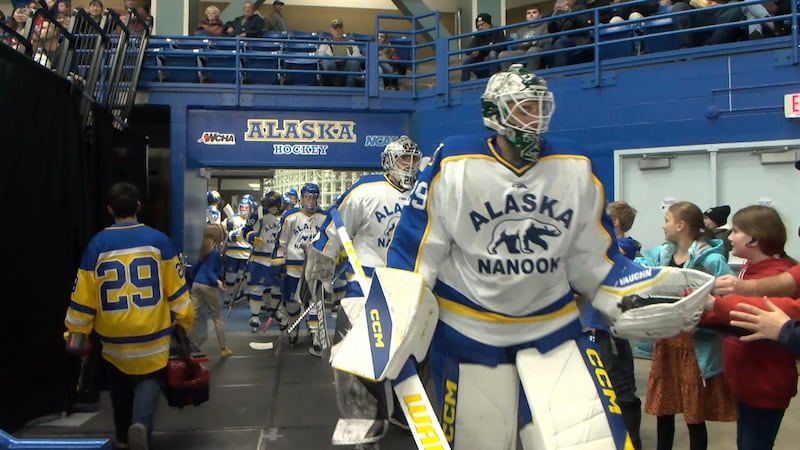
45	44
20	16
705	18
275	21
636	11
388	53
134	23
569	23
64	19
63	6
249	24
342	47
210	25
96	9
758	30
486	36
526	44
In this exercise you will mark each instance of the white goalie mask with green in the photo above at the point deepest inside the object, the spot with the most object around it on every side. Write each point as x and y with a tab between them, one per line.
400	159
517	104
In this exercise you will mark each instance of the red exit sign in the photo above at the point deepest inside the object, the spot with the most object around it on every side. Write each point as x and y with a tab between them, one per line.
791	105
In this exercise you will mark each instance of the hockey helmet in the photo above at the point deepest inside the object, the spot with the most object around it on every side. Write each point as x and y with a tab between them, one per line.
518	105
400	160
309	197
272	198
213	197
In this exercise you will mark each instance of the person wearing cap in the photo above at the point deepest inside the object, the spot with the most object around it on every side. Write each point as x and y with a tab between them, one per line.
249	24
275	20
485	37
716	220
339	46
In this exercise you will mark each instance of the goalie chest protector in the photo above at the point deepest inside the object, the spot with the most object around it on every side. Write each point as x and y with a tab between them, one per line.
187	384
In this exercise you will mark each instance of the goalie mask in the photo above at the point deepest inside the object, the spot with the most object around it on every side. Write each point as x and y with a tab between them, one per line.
518	106
400	160
309	197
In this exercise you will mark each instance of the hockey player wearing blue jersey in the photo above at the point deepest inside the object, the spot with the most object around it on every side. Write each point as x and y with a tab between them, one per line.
128	288
502	229
370	210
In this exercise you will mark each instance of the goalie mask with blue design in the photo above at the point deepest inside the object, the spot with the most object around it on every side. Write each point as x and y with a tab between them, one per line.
518	105
400	160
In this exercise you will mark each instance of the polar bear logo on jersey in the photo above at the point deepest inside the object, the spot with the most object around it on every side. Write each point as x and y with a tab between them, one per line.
389	230
518	234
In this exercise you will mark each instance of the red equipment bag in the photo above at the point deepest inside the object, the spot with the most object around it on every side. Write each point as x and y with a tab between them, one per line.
187	379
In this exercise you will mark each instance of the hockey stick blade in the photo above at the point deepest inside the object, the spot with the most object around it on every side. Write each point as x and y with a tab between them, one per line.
261	345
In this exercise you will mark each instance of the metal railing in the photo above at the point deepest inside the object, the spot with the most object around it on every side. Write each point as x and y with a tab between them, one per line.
102	59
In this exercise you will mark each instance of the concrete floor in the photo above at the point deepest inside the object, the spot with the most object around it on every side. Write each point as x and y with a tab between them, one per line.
263	401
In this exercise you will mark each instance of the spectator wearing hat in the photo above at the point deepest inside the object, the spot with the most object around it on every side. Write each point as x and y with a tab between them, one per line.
338	45
249	24
486	36
716	220
275	20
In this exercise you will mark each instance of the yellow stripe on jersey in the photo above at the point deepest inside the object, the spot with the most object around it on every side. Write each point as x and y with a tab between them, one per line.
464	310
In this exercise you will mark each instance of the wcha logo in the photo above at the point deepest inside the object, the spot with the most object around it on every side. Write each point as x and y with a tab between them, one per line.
214	138
518	234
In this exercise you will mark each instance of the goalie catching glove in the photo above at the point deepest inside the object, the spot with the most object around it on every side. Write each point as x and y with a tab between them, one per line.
652	302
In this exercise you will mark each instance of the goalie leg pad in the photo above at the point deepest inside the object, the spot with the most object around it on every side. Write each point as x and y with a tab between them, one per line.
571	401
362	404
478	405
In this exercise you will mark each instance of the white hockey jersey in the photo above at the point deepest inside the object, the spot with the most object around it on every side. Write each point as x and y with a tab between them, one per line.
297	229
501	246
370	210
264	236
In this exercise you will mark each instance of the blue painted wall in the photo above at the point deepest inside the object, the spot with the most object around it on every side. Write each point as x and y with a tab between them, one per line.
729	94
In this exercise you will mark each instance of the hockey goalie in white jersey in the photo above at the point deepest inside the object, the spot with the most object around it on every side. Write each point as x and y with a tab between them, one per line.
370	210
503	230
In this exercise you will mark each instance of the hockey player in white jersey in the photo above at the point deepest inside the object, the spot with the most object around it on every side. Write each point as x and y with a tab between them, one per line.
299	227
237	249
262	235
370	210
502	229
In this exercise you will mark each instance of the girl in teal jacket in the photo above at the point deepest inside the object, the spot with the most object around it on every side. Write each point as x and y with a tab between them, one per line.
685	376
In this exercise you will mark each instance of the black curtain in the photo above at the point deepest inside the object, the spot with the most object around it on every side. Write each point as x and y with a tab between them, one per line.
53	189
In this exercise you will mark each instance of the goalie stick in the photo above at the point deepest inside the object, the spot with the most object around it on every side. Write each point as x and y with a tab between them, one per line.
411	386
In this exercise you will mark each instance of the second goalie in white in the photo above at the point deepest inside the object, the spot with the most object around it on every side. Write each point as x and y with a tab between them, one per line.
370	210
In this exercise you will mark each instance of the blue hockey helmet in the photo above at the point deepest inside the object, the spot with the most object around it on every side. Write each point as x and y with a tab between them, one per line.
292	192
246	205
309	197
213	197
